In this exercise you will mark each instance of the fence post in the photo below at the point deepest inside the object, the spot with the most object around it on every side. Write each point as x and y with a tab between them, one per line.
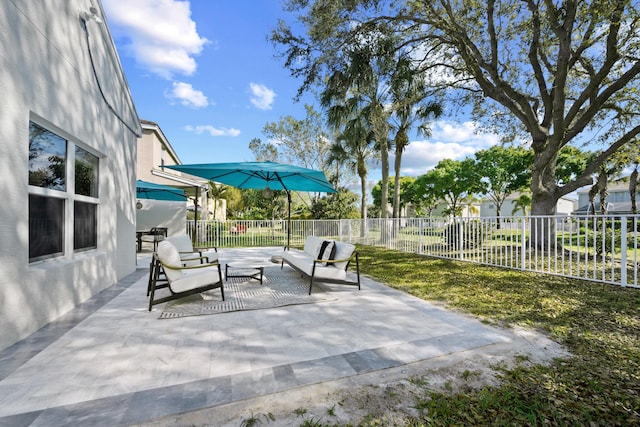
460	237
420	228
623	253
523	244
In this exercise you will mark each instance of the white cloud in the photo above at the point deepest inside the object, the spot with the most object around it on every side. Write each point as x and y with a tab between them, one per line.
162	36
261	96
187	95
213	131
449	140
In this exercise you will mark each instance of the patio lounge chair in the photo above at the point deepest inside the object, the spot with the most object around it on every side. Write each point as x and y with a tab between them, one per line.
183	281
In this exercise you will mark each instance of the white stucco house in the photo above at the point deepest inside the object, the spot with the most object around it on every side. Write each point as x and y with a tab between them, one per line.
618	201
69	129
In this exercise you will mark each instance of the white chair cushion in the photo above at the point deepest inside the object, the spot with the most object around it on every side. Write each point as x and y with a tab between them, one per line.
169	255
182	242
196	278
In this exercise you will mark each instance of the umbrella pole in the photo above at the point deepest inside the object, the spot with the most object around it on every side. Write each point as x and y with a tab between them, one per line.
289	224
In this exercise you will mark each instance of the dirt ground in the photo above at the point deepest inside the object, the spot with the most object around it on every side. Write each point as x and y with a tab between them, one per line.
388	393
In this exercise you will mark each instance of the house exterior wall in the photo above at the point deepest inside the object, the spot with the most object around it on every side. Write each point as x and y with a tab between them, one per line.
617	193
154	151
47	78
564	206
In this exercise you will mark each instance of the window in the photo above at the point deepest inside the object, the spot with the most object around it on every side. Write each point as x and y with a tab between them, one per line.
63	195
86	175
85	224
46	227
47	158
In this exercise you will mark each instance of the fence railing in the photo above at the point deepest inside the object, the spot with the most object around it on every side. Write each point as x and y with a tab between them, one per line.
596	248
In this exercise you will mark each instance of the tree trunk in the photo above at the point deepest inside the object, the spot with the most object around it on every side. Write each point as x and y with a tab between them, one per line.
363	198
396	183
363	205
543	197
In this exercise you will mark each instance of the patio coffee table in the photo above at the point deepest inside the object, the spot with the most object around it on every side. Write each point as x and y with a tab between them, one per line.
250	268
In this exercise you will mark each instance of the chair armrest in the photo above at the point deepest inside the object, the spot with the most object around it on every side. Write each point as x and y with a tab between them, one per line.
191	267
330	261
197	258
202	248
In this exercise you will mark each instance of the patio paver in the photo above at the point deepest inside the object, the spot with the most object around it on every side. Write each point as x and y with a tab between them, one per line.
111	362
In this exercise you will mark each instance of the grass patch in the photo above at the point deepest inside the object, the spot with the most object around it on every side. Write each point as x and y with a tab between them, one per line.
599	324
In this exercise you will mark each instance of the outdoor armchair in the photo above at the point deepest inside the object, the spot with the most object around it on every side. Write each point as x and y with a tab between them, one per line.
190	255
183	281
155	235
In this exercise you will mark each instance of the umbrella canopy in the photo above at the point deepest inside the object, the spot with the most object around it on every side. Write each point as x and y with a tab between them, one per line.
149	190
261	175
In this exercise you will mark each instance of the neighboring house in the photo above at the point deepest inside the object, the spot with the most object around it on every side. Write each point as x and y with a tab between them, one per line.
68	156
618	199
564	206
155	152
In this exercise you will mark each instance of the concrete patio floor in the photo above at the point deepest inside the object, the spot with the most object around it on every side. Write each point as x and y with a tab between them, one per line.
111	362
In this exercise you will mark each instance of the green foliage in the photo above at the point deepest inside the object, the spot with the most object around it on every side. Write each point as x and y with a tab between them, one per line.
339	205
598	385
451	181
257	419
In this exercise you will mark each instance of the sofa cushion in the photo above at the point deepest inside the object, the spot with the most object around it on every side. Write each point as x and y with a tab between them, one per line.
328	250
312	245
343	251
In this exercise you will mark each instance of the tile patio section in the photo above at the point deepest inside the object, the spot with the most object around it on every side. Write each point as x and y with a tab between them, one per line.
111	362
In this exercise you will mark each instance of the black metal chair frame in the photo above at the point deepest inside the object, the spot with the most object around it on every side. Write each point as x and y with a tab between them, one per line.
158	270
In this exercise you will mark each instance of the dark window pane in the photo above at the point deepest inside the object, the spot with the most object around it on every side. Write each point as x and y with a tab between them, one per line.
46	227
85	233
47	158
86	173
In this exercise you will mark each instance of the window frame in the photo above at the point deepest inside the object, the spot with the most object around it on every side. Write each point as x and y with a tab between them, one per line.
69	196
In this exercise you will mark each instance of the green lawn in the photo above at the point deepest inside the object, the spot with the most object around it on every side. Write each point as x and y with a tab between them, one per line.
599	324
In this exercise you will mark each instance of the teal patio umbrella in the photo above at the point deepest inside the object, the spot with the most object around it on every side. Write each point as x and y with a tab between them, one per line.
262	175
150	190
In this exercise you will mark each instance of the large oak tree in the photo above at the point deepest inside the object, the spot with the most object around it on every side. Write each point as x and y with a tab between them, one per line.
560	72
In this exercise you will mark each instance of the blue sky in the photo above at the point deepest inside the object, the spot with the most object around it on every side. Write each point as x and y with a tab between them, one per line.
206	73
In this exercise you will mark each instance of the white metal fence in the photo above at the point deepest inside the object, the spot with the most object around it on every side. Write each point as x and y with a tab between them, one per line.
596	248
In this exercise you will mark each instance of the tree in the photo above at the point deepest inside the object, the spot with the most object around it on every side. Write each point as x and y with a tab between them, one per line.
303	142
560	72
504	170
216	192
263	152
522	203
405	191
338	205
452	181
355	149
360	86
410	108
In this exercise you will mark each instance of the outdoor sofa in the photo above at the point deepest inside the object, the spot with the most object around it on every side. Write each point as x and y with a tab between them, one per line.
323	260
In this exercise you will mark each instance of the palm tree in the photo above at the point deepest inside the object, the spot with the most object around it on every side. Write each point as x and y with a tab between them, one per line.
354	147
522	203
216	192
409	108
363	85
